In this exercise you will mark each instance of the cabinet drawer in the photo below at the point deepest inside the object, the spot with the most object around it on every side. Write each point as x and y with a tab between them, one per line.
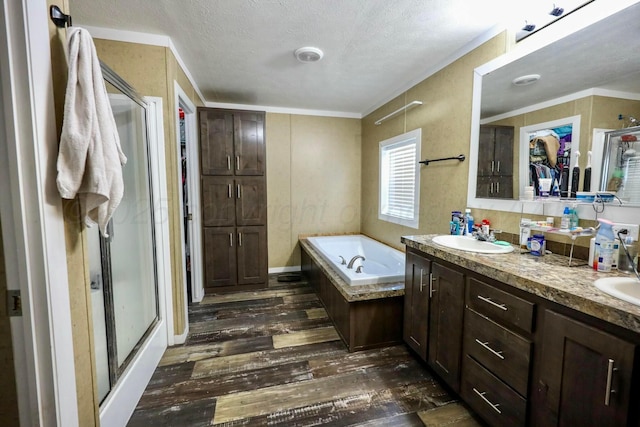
492	399
499	305
499	350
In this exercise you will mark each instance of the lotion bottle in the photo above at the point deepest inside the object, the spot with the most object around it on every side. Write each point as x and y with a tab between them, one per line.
603	256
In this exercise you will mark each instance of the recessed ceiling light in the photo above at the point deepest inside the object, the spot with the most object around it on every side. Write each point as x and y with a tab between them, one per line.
308	54
526	80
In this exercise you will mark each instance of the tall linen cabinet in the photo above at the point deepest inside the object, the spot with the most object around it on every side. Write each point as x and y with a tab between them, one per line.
234	199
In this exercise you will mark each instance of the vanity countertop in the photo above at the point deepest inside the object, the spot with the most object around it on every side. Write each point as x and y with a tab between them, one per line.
353	293
549	277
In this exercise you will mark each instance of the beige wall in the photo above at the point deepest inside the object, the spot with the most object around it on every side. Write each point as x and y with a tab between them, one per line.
445	120
313	180
8	398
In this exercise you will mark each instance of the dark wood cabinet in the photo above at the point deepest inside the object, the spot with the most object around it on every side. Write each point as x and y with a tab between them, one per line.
445	323
234	198
585	376
416	302
495	162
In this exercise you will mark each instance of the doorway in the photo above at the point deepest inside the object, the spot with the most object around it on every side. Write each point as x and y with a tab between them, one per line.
189	194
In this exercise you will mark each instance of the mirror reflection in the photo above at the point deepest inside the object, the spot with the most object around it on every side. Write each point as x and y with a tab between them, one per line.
593	74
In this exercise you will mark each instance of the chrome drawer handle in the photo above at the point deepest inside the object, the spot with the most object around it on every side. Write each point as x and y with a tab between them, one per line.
495	304
237	163
432	279
229	162
494	406
608	391
486	346
421	277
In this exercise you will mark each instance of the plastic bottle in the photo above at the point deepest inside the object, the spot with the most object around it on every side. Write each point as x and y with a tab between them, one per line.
566	219
573	218
468	221
603	257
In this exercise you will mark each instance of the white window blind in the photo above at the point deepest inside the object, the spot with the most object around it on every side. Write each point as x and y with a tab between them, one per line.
399	179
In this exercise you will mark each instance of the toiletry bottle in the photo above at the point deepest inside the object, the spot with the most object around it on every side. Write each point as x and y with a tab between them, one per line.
566	218
468	221
573	218
603	256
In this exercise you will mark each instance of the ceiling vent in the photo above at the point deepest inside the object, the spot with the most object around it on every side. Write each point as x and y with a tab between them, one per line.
308	54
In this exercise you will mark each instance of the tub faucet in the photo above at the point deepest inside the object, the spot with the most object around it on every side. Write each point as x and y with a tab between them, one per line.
350	265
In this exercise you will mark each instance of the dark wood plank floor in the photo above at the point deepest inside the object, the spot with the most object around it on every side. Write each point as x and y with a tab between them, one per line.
272	357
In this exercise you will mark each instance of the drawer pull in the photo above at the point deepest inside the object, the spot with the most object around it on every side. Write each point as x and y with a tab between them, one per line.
495	304
229	191
494	406
486	346
229	162
609	391
237	163
421	278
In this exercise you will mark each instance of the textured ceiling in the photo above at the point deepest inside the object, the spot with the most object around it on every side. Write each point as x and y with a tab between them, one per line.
241	51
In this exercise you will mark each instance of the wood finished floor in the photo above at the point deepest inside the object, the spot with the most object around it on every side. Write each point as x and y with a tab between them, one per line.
272	358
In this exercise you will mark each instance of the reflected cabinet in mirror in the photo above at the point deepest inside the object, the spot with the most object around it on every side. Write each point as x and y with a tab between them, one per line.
587	79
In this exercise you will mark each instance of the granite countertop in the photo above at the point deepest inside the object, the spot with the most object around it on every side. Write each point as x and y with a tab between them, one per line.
549	277
357	292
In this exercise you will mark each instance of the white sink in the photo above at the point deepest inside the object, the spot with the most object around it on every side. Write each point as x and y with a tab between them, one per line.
470	244
624	288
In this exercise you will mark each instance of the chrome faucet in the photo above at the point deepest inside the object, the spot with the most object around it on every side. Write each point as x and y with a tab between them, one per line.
350	265
342	260
626	251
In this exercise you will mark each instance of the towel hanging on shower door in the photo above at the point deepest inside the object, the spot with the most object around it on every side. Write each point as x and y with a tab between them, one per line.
90	158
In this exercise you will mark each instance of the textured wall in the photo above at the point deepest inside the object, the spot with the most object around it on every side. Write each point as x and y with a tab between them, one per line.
8	399
313	180
445	119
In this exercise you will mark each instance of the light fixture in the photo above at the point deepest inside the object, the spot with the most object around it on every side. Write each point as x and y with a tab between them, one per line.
556	11
308	54
528	27
526	80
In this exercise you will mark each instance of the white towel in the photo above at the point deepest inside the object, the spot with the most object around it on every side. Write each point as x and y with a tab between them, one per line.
90	158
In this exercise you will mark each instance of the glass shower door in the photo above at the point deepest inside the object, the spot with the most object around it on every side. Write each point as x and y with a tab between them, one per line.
123	266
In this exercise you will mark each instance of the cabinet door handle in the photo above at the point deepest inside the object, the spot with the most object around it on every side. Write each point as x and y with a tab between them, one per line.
498	187
492	166
432	279
237	163
494	406
228	162
421	278
239	239
231	239
498	168
229	191
238	191
495	304
609	390
491	188
486	346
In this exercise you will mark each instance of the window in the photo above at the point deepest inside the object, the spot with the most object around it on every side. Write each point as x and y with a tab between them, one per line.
400	179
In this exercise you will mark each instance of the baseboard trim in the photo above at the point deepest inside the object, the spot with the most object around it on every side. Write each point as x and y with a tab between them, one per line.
276	270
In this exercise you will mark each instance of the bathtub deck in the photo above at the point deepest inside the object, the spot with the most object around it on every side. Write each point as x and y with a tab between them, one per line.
272	357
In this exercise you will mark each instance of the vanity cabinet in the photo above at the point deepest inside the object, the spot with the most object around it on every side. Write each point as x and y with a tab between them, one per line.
586	376
495	162
416	303
433	310
497	353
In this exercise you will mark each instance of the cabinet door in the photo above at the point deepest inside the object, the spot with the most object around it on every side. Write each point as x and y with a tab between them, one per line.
249	143
219	257
503	151
503	187
218	201
251	204
252	255
584	377
216	142
486	164
445	323
416	303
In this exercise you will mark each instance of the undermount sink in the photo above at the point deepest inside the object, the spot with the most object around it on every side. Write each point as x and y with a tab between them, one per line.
470	244
624	288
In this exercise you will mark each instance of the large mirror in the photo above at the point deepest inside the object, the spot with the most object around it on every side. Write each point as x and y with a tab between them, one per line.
589	70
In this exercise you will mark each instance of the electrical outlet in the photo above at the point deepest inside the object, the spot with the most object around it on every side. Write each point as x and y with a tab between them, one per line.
632	229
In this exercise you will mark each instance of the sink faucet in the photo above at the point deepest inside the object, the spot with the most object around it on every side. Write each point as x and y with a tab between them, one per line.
626	251
350	265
